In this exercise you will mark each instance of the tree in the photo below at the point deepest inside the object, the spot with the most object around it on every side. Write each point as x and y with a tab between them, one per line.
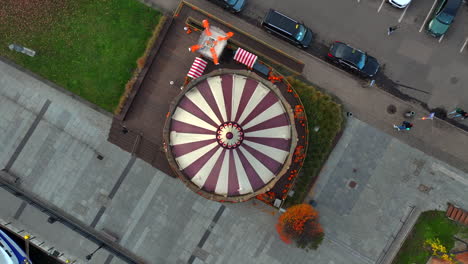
300	223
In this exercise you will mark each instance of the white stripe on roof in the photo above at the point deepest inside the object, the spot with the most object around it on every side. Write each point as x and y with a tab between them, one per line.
185	160
237	90
244	183
259	93
217	90
197	98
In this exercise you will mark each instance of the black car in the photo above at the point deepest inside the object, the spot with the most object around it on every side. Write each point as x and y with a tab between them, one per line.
288	28
234	6
353	59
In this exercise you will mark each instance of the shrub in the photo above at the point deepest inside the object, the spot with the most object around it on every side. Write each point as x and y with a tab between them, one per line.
300	223
323	112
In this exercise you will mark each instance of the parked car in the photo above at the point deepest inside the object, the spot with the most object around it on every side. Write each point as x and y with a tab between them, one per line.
399	3
443	17
353	59
234	6
287	28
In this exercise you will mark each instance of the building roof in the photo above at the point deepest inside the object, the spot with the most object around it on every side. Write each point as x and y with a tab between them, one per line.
230	135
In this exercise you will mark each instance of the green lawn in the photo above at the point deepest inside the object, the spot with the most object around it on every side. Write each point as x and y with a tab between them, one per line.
430	224
89	47
324	112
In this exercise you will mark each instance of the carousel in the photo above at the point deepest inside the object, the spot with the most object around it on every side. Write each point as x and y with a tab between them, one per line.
230	135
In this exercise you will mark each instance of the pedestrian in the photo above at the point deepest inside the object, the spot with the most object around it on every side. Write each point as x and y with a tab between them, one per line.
463	115
458	112
391	30
404	126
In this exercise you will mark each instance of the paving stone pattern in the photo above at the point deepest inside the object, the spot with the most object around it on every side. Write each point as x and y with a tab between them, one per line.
388	174
162	221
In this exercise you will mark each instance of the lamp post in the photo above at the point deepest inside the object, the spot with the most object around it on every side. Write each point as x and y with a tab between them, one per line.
26	246
90	256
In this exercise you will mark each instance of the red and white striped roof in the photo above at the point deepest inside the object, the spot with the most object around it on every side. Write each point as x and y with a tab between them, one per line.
230	135
245	57
197	69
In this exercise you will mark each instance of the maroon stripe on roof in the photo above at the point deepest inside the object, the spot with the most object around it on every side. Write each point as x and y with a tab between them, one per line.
191	170
255	181
267	161
212	180
192	108
182	149
277	121
227	83
183	127
279	143
249	88
263	105
206	92
233	181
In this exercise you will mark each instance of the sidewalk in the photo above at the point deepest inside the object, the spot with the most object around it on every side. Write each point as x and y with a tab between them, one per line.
434	137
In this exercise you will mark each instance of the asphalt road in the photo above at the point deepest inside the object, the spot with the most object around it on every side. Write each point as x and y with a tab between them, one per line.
425	68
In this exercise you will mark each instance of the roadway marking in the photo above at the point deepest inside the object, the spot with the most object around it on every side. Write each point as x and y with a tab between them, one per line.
404	12
20	210
380	7
207	233
464	44
28	135
112	193
428	14
441	38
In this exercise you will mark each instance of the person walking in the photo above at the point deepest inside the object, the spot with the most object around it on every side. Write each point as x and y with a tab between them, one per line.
391	30
458	112
404	126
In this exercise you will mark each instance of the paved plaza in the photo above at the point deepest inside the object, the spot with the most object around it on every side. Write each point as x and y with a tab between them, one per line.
52	143
390	178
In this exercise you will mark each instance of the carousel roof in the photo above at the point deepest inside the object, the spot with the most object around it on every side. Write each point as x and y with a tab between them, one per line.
230	134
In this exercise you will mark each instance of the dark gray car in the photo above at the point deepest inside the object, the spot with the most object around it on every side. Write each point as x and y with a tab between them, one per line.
287	28
353	59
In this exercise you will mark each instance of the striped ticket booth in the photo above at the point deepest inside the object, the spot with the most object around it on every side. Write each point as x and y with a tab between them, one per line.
197	69
245	57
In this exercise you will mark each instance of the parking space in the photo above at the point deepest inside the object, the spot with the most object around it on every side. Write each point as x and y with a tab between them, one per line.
413	61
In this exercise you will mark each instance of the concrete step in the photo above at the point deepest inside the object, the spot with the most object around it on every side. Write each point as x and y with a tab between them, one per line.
400	237
449	210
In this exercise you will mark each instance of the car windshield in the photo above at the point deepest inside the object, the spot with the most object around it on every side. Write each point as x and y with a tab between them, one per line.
362	61
231	2
354	56
301	31
445	18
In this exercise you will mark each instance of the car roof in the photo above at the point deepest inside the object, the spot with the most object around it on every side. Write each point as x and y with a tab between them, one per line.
452	6
346	52
279	19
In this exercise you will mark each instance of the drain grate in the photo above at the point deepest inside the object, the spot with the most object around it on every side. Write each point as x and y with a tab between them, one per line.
391	109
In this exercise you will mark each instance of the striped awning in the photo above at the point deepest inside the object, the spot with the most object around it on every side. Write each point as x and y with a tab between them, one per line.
197	69
245	57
